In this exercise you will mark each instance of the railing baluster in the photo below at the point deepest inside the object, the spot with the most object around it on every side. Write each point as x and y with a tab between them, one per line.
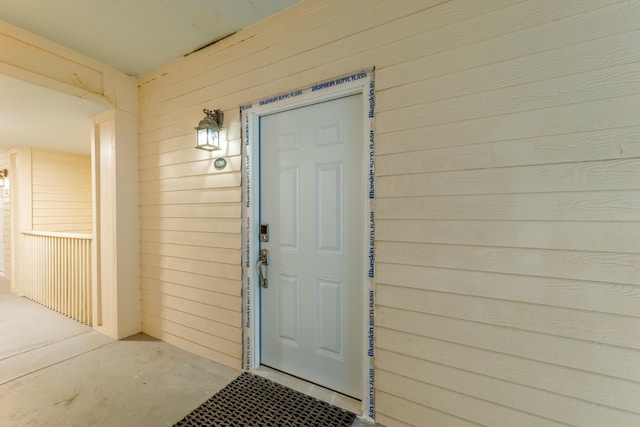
57	272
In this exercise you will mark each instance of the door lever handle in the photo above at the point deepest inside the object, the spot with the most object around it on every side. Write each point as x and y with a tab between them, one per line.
263	259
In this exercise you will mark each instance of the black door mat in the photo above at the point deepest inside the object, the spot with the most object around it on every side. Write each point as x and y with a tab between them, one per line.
251	400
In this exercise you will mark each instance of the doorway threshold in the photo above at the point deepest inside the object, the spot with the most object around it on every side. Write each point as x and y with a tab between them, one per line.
311	389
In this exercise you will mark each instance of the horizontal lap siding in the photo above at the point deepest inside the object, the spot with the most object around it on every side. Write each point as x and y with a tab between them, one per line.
508	202
508	221
61	192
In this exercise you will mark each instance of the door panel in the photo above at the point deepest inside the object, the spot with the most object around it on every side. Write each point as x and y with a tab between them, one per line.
311	196
289	310
329	324
329	193
289	209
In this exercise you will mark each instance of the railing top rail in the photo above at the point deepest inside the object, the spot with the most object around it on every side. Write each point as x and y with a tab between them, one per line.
62	235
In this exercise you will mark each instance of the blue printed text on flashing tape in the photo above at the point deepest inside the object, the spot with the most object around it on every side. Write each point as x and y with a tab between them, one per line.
248	176
246	130
372	411
370	353
341	80
248	361
248	242
372	188
372	99
248	297
280	97
372	231
371	322
248	246
371	350
324	85
372	143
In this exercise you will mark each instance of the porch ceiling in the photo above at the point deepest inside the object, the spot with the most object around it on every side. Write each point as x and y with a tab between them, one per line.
134	37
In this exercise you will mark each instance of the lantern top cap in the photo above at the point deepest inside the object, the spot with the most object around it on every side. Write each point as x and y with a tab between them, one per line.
212	120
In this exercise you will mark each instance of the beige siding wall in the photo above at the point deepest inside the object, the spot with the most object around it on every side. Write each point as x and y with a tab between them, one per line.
508	159
61	184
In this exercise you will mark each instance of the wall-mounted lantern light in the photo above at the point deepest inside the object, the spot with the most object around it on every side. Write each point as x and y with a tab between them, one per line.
209	130
3	175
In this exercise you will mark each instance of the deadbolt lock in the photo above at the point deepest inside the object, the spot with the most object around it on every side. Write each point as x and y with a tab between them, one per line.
264	232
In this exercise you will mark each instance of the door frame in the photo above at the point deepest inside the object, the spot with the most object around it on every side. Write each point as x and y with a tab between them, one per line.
356	83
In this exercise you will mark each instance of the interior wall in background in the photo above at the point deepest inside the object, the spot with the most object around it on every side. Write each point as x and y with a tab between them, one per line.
61	192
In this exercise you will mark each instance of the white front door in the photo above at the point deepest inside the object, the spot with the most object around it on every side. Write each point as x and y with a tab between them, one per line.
311	194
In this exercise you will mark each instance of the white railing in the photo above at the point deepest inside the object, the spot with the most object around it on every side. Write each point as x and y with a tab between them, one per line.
56	272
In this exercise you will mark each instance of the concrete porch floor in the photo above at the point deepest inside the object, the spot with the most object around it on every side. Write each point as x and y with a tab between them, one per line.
55	371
